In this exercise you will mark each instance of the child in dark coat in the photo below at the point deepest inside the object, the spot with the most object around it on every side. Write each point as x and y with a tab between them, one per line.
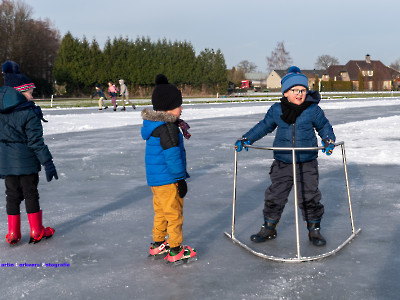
166	170
295	118
22	152
102	97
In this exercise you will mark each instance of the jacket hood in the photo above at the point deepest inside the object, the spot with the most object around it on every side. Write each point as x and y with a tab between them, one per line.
313	96
10	98
153	119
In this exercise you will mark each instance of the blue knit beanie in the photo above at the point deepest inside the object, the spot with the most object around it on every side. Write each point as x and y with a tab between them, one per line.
292	78
15	79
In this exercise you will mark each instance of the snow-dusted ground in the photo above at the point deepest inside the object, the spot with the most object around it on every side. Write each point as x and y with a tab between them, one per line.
101	209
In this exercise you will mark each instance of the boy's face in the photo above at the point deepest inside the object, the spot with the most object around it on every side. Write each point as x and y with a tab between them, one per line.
28	94
176	111
296	94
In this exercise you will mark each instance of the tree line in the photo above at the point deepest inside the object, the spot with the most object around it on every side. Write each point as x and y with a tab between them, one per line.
80	65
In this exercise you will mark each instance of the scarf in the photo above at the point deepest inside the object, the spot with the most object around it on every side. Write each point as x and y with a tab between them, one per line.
291	111
184	127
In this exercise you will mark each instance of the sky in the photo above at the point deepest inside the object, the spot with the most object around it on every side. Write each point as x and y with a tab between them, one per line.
242	30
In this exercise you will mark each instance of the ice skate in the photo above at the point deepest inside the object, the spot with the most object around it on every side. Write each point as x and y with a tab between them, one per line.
123	109
267	232
159	249
105	107
182	255
133	106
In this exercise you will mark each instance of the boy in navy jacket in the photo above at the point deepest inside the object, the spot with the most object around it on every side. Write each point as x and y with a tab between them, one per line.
165	160
294	118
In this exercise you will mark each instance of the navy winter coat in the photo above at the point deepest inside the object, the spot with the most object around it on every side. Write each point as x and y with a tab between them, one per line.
299	134
165	155
22	148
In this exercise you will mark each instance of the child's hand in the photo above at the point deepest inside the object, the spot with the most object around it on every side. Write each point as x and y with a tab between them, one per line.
329	146
50	169
182	188
239	145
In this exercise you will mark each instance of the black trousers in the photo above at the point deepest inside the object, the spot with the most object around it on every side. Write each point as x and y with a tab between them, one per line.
308	194
19	188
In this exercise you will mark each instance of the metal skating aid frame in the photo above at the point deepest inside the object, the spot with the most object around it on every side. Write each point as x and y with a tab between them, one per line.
298	258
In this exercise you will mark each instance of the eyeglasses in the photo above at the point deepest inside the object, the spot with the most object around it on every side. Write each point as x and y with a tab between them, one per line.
298	91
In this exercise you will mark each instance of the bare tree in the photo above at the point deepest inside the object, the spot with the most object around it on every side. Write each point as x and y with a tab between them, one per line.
280	58
396	65
247	66
33	44
324	61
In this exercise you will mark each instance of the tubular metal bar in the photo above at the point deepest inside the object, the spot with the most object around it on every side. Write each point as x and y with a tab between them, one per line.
296	213
299	258
296	259
234	192
347	187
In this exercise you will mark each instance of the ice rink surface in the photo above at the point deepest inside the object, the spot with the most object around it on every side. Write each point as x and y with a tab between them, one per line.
101	209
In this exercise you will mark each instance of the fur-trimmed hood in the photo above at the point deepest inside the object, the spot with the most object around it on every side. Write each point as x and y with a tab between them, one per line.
158	116
152	119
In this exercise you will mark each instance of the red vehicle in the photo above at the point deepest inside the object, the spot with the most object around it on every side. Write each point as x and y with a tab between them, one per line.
246	84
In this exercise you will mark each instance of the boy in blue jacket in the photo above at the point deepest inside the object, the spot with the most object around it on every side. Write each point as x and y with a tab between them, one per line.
165	160
22	152
294	118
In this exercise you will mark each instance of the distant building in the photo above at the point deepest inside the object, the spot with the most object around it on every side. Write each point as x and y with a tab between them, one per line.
274	78
375	75
258	79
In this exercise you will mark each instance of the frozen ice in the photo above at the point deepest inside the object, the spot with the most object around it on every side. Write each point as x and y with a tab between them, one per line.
101	209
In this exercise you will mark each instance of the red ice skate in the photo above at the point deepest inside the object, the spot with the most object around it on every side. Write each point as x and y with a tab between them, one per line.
183	255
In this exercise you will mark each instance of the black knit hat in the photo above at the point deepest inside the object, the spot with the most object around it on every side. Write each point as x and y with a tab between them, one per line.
13	78
165	95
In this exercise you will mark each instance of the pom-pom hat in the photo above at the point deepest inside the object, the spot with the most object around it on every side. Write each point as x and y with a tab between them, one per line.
165	96
13	78
293	78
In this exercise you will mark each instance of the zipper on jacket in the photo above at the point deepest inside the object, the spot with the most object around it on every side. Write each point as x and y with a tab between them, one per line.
294	139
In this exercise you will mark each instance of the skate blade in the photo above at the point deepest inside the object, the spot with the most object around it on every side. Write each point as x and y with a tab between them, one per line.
182	261
158	256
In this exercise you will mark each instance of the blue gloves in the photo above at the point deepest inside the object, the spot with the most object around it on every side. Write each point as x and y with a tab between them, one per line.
239	145
329	146
50	169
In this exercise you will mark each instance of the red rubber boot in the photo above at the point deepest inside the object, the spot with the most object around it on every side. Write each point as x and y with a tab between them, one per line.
14	229
37	230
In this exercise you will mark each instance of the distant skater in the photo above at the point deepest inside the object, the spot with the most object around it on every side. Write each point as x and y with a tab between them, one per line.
113	92
124	93
102	97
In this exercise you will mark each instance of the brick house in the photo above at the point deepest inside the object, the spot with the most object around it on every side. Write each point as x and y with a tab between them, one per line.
375	75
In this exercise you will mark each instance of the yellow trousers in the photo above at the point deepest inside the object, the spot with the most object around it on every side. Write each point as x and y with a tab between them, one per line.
168	214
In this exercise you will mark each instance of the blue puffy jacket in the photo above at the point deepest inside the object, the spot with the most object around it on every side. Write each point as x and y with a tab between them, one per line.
299	134
22	148
165	155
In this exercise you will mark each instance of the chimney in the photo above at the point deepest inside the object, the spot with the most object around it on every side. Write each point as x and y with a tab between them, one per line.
368	59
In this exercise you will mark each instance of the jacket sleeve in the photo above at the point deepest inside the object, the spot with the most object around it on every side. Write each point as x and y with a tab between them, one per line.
170	142
35	141
265	126
322	125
